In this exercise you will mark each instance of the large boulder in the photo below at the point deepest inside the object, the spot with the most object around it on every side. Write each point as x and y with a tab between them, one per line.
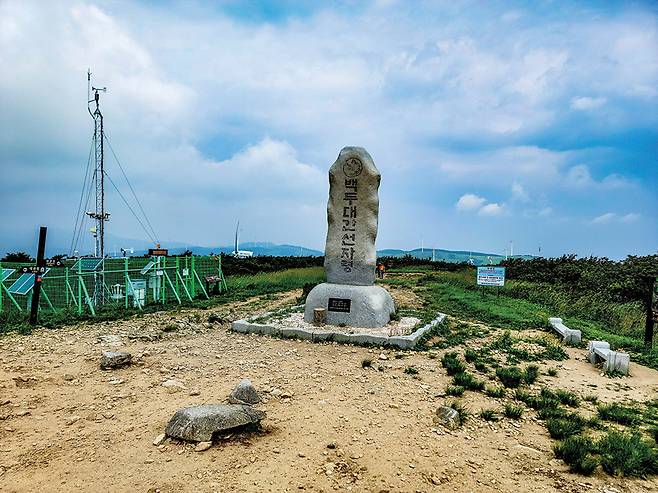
198	423
244	393
112	359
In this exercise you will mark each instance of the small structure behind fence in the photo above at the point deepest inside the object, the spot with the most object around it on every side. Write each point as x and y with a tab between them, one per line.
86	285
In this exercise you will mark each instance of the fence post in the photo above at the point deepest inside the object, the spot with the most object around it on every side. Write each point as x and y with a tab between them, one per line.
125	281
66	288
162	279
1	286
177	288
192	272
79	286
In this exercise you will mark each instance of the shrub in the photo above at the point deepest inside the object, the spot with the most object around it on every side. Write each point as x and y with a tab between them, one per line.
366	363
523	395
470	355
510	376
481	366
467	381
530	374
411	370
552	372
452	363
627	455
576	451
489	415
567	398
619	414
512	411
455	390
495	391
591	398
654	433
567	426
462	411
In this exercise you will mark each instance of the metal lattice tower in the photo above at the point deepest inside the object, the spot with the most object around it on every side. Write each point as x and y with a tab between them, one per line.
99	214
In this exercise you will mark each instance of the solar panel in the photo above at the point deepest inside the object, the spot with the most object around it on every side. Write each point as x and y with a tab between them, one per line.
87	264
25	283
6	273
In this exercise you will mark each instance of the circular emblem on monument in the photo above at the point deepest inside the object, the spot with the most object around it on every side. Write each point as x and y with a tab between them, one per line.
352	167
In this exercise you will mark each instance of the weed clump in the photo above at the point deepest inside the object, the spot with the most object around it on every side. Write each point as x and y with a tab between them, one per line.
510	376
495	391
468	381
452	363
567	398
513	412
577	452
411	370
552	372
489	415
530	374
455	390
563	427
618	413
462	411
627	455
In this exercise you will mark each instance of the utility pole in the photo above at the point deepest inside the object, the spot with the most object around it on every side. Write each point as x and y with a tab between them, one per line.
41	264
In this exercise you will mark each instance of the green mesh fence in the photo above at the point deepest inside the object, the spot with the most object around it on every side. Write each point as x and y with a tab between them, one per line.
131	283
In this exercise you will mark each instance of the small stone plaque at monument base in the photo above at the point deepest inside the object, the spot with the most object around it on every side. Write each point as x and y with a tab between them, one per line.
350	296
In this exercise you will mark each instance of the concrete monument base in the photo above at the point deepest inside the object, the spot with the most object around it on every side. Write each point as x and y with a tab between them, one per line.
354	306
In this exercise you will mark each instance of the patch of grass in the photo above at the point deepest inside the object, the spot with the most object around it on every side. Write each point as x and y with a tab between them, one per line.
510	345
530	374
577	452
461	409
523	395
170	328
481	366
591	398
495	391
510	376
513	412
366	363
559	428
411	370
471	355
654	434
552	372
568	398
452	363
468	381
489	415
619	414
214	318
627	455
455	390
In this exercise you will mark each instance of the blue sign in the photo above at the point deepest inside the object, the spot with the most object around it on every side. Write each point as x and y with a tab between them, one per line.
491	276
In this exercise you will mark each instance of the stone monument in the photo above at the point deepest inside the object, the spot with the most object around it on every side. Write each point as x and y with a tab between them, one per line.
350	296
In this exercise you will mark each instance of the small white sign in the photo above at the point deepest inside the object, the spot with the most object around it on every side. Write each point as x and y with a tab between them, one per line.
186	272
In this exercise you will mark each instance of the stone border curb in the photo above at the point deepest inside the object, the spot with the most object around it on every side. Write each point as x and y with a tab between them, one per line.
613	361
570	336
246	326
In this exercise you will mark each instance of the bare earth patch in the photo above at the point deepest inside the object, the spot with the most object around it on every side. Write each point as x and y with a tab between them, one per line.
65	425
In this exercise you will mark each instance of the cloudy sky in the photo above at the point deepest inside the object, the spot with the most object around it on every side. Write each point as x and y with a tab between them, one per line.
535	122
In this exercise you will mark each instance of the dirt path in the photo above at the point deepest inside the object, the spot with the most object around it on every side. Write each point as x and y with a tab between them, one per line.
67	426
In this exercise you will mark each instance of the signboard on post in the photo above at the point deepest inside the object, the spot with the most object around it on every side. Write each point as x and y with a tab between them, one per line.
491	276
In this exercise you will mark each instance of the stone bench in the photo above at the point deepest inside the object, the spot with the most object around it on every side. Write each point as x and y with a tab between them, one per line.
570	336
613	361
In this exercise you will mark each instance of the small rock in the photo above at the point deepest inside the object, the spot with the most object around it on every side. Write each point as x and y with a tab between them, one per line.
329	468
276	450
198	423
382	356
159	439
71	419
201	446
286	395
68	377
194	393
173	385
244	393
448	417
331	445
111	360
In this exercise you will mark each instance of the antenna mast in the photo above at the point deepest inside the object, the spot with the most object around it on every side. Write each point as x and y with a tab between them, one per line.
99	214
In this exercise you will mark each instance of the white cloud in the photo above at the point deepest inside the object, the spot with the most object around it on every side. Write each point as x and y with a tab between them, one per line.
469	202
519	193
492	209
610	217
587	103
